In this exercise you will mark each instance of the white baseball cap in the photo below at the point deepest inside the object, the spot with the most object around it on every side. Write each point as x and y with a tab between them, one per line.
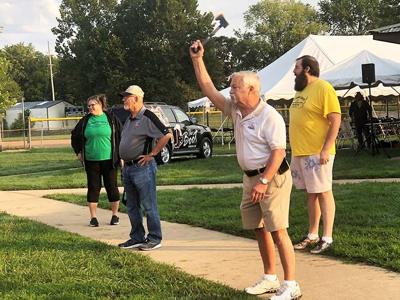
133	90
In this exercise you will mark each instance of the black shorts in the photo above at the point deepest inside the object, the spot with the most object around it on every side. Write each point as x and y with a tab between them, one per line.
95	170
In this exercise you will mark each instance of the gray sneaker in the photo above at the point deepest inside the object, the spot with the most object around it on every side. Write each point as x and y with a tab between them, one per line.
149	245
322	246
306	242
129	244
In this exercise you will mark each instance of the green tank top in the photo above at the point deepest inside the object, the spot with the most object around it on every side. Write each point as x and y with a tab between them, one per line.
98	138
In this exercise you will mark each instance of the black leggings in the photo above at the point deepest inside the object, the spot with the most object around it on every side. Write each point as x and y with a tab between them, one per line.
94	171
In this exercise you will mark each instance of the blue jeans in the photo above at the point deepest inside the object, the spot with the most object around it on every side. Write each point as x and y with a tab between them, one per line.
140	189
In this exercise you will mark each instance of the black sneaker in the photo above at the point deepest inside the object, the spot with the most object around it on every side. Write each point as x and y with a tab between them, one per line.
129	244
114	220
322	246
149	245
94	223
305	243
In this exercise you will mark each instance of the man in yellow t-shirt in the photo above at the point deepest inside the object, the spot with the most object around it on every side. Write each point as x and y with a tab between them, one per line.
314	124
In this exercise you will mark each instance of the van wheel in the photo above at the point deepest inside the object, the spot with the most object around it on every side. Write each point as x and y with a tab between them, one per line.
205	148
164	156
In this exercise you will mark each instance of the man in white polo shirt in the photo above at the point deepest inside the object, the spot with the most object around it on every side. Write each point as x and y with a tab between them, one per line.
260	135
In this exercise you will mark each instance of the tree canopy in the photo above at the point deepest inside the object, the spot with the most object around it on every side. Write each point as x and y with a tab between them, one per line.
104	46
29	68
349	17
107	45
389	12
9	89
273	27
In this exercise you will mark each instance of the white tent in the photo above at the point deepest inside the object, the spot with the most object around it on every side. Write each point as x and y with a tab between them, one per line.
348	73
277	79
379	90
202	102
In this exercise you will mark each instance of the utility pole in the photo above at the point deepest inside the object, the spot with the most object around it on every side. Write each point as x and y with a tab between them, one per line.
51	73
23	118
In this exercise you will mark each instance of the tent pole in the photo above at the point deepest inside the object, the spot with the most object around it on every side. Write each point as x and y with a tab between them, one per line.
398	111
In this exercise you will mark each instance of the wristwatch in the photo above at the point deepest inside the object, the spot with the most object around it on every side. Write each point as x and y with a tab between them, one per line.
263	180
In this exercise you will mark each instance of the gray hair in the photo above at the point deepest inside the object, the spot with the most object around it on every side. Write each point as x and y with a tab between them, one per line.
249	78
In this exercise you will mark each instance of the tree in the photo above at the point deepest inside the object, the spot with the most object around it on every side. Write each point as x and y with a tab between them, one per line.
107	45
19	122
349	17
29	68
9	89
389	12
238	54
272	28
86	47
158	49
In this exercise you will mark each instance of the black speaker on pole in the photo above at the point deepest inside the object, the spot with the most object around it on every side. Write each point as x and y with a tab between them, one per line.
368	73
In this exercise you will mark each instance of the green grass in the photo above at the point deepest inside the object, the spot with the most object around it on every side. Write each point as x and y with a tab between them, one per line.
37	161
367	223
58	168
40	262
36	136
53	168
218	149
348	164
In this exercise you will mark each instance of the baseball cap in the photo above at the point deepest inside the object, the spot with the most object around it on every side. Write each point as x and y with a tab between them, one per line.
133	90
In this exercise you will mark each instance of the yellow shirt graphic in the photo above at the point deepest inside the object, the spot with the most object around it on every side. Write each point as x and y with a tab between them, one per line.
308	125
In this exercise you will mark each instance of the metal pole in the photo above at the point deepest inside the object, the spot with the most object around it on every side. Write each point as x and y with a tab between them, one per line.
23	119
1	135
222	130
29	133
51	73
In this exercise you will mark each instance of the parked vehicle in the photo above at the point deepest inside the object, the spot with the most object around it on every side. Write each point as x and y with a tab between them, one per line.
189	138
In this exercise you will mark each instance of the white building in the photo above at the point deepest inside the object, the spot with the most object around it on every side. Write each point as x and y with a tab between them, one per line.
40	109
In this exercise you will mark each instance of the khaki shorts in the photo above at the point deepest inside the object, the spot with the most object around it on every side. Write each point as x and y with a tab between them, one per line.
308	174
272	212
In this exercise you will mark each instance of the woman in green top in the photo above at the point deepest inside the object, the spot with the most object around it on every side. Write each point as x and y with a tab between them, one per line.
95	140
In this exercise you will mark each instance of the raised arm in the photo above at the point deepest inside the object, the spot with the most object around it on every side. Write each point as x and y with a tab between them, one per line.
203	78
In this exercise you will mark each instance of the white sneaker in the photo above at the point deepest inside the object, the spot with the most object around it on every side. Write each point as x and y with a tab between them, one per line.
263	286
286	292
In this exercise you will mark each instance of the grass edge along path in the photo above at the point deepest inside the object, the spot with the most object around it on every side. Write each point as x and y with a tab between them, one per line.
367	223
58	168
47	263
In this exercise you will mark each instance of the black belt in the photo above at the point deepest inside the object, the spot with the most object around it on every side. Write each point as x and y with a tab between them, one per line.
252	173
282	169
131	162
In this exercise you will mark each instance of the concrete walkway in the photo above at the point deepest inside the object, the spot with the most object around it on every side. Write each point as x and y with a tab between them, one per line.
212	255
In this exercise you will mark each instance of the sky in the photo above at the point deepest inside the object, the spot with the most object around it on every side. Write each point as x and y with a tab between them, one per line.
30	21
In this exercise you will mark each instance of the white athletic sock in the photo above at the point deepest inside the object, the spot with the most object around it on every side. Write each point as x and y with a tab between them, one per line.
327	239
312	236
270	277
290	283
